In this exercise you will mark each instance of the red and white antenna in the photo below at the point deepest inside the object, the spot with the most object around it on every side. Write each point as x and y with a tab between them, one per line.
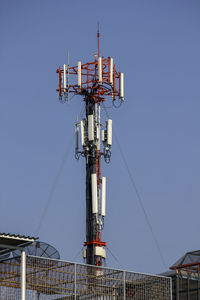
96	82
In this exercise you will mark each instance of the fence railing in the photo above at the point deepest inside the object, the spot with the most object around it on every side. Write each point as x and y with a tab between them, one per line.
57	279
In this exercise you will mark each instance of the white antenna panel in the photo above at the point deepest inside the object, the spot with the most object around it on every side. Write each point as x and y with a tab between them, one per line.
64	78
68	76
103	135
98	133
79	75
111	70
77	136
91	128
122	86
109	132
100	69
82	133
94	193
103	197
98	138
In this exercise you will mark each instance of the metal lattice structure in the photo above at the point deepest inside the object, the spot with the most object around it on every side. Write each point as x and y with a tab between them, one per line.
56	279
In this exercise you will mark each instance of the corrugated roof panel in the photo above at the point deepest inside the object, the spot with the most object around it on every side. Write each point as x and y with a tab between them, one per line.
9	242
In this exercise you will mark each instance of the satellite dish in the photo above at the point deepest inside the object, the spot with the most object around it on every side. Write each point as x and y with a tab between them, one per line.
39	249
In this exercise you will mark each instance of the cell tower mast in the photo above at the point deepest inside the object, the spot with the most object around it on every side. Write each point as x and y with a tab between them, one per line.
96	82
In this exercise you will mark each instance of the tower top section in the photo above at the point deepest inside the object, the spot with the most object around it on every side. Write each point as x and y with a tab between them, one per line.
92	80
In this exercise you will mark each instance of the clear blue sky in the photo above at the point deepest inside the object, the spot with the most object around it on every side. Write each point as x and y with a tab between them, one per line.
157	45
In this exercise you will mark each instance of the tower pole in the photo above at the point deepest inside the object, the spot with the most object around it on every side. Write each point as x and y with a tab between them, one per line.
91	223
96	81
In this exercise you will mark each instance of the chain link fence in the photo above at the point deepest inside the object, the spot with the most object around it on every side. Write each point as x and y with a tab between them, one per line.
57	279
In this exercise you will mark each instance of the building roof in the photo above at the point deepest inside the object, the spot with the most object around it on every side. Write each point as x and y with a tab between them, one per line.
170	273
10	242
190	258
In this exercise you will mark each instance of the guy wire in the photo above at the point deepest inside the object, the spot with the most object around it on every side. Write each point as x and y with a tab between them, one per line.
138	195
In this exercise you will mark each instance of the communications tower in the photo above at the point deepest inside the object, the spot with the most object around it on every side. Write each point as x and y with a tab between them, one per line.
97	82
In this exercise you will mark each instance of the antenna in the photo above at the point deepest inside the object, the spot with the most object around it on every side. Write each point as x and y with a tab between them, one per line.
96	82
68	77
98	36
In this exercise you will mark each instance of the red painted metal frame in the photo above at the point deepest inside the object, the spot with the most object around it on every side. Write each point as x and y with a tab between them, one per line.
90	82
185	266
97	243
189	268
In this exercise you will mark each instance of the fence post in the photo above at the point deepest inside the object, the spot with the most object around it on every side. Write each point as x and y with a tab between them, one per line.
23	275
171	292
124	284
177	286
75	281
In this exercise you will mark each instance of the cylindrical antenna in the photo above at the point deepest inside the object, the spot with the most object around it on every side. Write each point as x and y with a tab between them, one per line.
103	197
77	135
100	69
64	78
98	137
68	76
90	127
60	82
103	135
122	86
82	133
111	70
94	193
109	132
79	75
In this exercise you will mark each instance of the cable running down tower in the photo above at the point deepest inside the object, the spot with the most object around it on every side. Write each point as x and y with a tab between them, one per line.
96	82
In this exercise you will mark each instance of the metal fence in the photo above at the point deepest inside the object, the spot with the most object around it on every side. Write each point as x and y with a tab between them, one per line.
57	279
